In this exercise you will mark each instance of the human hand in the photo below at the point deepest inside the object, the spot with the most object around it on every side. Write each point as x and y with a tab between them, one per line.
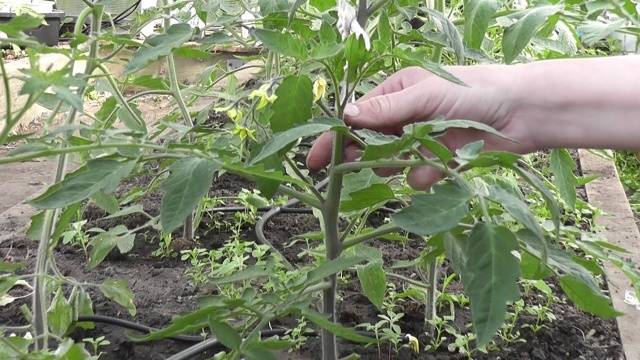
414	94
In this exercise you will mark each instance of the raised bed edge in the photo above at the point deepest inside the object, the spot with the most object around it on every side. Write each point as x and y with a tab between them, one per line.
619	227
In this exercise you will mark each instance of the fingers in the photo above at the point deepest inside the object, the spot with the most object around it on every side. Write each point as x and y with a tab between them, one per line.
423	177
320	154
386	113
397	82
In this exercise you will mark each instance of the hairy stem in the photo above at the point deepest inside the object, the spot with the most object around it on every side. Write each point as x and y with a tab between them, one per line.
40	298
330	217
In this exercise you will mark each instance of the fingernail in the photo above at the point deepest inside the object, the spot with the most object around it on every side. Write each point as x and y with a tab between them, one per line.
351	110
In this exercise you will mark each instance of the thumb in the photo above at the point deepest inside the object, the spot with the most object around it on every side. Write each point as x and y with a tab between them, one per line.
389	111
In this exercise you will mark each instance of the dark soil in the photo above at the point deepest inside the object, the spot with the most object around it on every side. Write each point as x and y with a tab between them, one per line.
162	291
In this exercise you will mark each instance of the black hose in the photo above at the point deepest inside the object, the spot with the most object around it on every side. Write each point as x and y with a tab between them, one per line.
135	326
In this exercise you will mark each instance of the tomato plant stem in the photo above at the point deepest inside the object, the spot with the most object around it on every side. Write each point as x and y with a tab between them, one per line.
330	217
40	298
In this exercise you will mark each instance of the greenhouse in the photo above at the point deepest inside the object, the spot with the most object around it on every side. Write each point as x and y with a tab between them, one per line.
321	179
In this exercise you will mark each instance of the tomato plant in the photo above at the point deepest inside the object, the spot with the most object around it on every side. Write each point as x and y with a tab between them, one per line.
315	58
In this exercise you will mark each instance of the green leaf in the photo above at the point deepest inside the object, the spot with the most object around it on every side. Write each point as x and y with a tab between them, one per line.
419	60
6	267
563	167
373	280
368	197
59	314
129	120
106	202
191	322
294	8
490	277
293	105
103	243
323	5
249	273
558	260
500	194
550	200
381	145
477	16
159	46
189	181
436	212
107	109
282	43
97	175
326	50
517	36
454	40
335	328
82	305
227	335
331	267
385	31
6	283
118	291
363	179
586	298
150	82
443	125
283	139
20	23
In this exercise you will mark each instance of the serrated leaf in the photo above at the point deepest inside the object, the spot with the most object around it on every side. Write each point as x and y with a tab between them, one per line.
227	335
282	139
477	16
97	175
517	36
373	280
293	105
435	212
368	197
14	27
59	314
282	43
335	328
104	242
129	120
562	167
118	291
381	145
443	125
454	40
159	46
586	298
490	277
106	202
249	273
189	181
432	67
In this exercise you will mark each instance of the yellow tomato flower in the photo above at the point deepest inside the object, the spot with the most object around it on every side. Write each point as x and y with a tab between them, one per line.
319	88
264	97
414	344
234	114
244	132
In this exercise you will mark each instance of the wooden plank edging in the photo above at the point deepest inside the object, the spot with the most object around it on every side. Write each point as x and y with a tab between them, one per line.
619	227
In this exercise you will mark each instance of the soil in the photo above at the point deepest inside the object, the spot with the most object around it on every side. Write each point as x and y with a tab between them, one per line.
162	291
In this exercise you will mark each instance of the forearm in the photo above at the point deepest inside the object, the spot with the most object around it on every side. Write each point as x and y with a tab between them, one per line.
579	103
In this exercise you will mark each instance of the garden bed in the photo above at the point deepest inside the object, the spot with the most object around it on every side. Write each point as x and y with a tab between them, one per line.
162	290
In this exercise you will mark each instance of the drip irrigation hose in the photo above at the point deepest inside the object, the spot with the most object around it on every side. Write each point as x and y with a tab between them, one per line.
275	211
135	326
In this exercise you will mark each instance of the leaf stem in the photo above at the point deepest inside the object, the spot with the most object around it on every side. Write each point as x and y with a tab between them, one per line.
382	230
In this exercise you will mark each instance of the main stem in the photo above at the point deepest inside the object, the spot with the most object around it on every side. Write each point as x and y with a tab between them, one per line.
333	246
40	298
